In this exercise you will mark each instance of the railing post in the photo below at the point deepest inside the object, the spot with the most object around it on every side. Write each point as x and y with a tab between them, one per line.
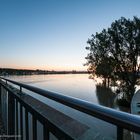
119	133
21	122
4	108
17	120
34	124
20	89
11	115
46	135
27	124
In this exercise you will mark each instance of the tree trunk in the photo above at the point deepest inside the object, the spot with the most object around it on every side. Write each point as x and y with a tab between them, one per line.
105	82
108	82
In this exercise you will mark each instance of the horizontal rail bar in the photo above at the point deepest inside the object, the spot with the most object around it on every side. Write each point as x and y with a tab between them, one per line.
118	118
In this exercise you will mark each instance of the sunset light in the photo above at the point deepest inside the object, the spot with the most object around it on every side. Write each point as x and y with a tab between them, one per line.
52	34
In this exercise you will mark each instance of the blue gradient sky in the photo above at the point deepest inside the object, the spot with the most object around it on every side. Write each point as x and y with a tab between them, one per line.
52	34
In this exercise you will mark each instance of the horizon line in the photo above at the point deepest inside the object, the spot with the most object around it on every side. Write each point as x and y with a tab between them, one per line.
38	69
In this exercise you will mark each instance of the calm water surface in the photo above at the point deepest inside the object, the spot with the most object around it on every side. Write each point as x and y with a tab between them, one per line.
79	86
75	85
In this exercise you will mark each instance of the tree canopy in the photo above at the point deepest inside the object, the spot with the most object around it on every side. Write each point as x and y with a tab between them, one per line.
114	53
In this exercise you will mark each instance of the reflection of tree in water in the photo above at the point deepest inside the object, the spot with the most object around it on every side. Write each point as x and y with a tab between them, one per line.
105	96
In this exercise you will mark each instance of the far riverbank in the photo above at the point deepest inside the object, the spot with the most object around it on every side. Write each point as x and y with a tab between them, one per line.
10	71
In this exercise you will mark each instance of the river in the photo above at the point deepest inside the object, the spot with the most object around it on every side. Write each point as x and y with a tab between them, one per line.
79	86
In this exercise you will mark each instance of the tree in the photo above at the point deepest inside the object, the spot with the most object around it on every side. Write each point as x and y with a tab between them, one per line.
104	69
114	53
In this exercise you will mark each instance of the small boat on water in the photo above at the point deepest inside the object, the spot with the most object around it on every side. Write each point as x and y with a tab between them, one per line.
135	109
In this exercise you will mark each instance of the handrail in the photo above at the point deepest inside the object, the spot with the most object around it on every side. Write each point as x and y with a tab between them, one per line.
118	118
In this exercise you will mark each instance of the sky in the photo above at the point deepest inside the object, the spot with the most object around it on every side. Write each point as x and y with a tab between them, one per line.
52	34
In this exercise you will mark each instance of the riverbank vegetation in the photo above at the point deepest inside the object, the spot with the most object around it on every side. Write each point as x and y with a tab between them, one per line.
9	71
114	55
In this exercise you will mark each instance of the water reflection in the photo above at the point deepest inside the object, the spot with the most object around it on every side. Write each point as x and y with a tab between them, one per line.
105	96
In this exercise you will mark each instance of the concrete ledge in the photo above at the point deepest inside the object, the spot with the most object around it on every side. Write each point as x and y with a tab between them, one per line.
70	126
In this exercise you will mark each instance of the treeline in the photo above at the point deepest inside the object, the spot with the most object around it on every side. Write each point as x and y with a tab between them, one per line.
9	71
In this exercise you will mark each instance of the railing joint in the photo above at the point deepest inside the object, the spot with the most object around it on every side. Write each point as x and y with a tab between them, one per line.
20	91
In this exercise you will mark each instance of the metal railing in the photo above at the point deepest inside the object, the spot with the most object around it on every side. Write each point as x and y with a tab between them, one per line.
120	119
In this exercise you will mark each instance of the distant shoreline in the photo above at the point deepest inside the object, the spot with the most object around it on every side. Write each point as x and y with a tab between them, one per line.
10	71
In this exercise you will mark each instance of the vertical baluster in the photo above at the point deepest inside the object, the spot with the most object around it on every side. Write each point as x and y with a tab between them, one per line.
4	107
17	119
119	133
11	114
21	122
26	124
34	123
46	135
0	94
